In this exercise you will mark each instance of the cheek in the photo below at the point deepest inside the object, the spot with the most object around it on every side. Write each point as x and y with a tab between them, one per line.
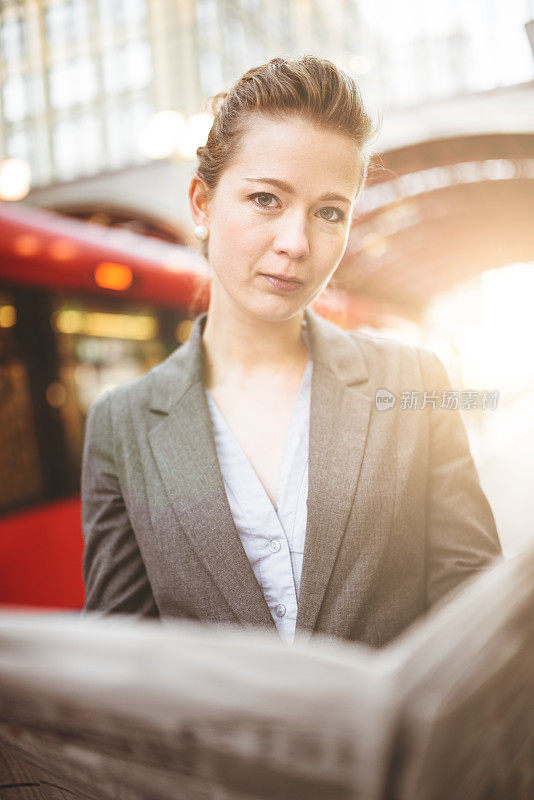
241	234
332	247
236	220
236	246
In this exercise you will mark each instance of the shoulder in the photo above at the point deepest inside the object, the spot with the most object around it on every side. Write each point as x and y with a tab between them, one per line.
355	356
136	393
376	347
386	356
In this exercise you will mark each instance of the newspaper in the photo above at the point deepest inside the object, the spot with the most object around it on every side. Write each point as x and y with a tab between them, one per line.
130	709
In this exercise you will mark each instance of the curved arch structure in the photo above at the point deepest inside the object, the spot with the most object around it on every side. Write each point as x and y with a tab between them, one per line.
439	212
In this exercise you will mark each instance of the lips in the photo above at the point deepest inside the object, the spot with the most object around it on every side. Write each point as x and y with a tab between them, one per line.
288	278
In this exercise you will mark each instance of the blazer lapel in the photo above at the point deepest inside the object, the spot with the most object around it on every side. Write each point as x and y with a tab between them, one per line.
339	422
184	449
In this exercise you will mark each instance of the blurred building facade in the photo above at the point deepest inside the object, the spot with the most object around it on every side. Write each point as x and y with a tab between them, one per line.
81	79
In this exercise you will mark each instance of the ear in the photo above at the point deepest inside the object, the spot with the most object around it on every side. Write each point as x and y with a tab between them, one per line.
199	197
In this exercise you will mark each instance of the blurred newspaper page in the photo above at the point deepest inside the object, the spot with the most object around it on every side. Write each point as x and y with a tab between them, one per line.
116	707
467	682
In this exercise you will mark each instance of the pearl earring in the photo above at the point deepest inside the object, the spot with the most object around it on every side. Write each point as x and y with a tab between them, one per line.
200	231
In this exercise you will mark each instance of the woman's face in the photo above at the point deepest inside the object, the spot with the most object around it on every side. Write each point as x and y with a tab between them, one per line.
281	208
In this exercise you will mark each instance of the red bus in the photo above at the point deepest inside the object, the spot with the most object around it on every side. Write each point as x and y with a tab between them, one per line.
82	308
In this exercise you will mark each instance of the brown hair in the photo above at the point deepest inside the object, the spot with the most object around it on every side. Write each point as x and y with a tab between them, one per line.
309	87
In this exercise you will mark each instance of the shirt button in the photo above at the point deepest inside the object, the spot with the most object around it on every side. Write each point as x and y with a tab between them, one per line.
274	545
280	609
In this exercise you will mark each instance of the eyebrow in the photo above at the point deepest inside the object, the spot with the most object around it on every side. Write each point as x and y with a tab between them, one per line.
286	187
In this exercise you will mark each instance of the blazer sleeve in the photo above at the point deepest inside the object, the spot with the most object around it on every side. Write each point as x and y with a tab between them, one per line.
461	536
113	570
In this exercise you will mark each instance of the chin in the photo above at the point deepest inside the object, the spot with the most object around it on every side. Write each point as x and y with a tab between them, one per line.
280	310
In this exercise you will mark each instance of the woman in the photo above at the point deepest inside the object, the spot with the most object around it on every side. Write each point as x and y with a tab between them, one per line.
251	478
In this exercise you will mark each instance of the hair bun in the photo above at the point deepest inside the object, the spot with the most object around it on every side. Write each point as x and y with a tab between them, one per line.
214	103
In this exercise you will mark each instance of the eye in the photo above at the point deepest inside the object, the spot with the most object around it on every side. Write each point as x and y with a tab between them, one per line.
331	214
263	199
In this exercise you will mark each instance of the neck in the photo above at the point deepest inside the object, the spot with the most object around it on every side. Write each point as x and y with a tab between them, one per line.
241	345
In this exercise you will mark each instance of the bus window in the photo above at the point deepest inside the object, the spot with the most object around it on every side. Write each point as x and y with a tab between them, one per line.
100	345
20	470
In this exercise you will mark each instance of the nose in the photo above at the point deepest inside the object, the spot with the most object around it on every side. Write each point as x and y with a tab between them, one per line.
292	236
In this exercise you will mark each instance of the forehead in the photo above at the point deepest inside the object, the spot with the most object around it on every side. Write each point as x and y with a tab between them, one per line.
309	157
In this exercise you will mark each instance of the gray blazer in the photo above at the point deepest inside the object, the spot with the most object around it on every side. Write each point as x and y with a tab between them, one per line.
396	514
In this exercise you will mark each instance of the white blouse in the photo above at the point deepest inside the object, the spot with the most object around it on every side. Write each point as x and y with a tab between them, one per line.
272	539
